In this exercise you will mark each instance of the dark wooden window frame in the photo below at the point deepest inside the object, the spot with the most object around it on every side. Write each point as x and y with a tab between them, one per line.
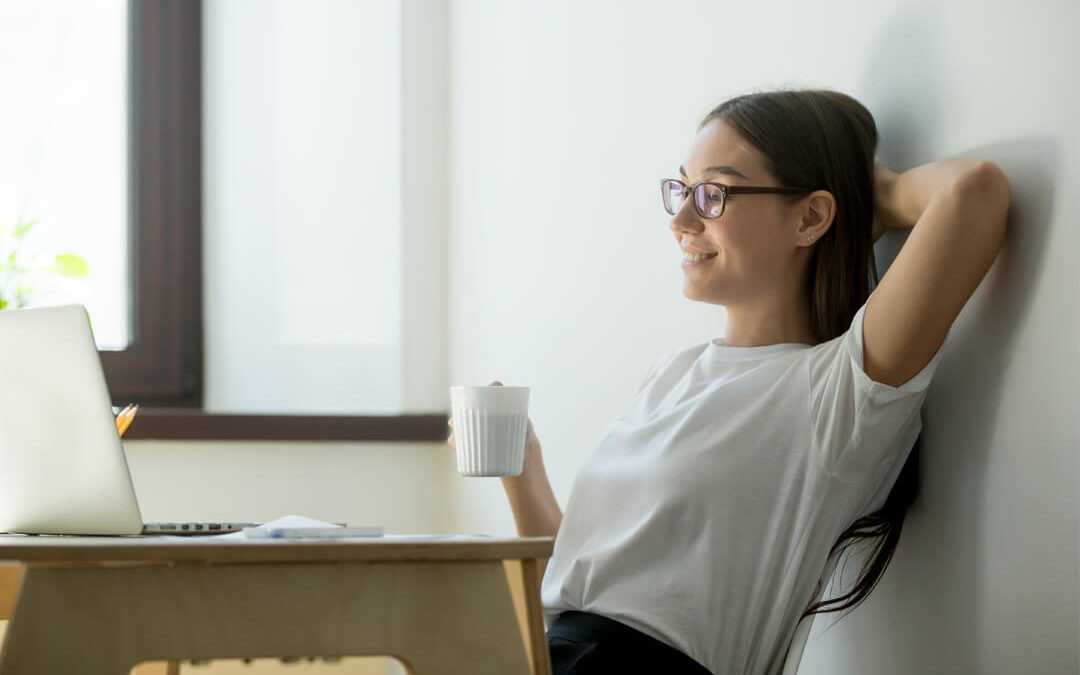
162	368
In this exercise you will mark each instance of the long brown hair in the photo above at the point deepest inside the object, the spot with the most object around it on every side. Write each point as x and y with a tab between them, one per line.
826	140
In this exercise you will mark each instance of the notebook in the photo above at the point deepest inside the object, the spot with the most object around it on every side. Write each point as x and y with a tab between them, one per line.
62	467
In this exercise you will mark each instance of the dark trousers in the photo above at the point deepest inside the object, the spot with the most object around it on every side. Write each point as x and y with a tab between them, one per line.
583	643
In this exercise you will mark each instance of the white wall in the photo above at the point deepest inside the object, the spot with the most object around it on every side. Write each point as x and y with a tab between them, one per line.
558	106
401	486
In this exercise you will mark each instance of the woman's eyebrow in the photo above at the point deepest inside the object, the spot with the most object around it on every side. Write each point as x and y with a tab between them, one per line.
730	170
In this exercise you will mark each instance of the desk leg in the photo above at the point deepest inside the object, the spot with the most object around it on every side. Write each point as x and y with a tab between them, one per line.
10	578
524	578
435	617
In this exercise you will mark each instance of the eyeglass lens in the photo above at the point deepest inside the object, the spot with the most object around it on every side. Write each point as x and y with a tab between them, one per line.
709	199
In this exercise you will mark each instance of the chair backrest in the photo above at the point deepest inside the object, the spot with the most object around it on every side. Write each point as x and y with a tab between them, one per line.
802	630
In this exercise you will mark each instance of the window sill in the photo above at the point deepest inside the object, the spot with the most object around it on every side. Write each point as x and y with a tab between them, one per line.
198	425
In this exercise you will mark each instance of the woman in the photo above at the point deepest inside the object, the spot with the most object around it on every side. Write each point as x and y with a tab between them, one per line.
697	533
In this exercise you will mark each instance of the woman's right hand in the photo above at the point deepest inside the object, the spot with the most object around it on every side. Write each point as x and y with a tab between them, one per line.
532	445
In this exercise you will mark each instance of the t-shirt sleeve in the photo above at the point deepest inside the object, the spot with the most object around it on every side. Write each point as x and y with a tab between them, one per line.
859	424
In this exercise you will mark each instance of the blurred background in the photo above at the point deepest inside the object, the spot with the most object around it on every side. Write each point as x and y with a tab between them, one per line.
340	208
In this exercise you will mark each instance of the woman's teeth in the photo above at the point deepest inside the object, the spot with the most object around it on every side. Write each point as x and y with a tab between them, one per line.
694	257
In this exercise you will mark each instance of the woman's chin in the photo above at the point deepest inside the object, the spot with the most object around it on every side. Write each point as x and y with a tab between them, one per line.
693	291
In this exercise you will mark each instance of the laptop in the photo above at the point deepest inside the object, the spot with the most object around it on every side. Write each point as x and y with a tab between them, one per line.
62	466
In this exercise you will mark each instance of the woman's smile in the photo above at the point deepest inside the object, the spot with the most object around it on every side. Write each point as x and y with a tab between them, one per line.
696	260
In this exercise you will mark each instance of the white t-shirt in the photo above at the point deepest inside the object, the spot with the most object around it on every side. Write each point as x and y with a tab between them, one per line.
705	515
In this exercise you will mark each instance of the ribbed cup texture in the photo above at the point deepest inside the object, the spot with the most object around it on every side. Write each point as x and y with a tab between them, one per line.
489	444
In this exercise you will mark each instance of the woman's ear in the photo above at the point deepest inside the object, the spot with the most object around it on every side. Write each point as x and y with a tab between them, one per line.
817	217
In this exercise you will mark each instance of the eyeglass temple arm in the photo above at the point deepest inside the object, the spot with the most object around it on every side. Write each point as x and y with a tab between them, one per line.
736	189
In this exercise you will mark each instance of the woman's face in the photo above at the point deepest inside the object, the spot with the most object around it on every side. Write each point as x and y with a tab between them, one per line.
754	239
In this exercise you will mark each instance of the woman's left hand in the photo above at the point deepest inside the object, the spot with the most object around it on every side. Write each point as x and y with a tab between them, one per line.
884	182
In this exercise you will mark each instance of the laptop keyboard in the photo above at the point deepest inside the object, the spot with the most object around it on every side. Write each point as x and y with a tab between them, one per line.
194	528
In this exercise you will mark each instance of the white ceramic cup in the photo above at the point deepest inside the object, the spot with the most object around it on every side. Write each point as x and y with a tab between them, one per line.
490	423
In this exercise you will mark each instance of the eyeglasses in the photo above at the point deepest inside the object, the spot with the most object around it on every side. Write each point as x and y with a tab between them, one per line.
709	198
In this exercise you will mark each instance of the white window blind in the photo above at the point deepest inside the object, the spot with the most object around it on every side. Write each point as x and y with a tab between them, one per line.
302	165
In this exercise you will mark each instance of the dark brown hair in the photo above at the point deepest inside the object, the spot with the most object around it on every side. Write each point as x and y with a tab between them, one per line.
826	140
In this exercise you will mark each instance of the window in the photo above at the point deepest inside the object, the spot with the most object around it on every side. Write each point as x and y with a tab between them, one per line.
63	158
162	365
110	91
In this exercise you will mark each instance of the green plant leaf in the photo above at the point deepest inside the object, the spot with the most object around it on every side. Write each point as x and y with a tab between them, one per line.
68	265
3	303
22	228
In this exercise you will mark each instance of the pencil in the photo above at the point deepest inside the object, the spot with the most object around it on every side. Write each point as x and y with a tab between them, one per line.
122	415
123	420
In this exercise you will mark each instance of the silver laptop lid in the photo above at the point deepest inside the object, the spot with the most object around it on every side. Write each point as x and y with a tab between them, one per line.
62	468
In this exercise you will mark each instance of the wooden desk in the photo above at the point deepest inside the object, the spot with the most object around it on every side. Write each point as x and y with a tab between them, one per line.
99	605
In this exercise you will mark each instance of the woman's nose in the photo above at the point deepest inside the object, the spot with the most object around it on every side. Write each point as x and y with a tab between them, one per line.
686	219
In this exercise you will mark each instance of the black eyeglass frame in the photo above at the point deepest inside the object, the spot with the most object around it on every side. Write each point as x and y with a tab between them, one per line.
725	190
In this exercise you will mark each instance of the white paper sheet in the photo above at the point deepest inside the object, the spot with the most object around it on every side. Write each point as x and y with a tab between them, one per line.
304	521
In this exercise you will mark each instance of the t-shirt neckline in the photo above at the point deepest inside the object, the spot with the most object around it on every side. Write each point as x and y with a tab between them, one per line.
721	350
